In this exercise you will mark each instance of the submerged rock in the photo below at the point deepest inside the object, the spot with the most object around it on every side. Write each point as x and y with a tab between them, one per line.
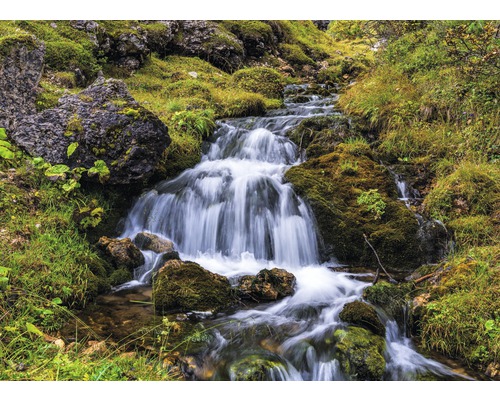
255	367
363	315
150	241
106	124
122	253
21	67
267	285
186	286
360	353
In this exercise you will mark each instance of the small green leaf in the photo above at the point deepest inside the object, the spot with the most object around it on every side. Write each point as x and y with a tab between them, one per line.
489	325
4	271
71	149
3	134
57	301
33	329
57	171
3	143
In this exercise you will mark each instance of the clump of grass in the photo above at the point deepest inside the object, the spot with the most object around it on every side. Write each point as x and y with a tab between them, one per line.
261	80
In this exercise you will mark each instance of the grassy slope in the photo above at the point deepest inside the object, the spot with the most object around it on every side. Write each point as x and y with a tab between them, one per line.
433	101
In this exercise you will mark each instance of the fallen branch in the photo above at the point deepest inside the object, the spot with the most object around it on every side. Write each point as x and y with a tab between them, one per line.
423	278
379	263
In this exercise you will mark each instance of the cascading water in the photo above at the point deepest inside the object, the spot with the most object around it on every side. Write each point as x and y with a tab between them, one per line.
235	215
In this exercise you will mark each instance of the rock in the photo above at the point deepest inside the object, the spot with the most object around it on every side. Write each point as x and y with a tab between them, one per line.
108	125
332	184
360	354
21	67
186	286
257	36
205	39
121	252
95	347
255	367
150	241
392	298
322	24
267	285
493	370
364	315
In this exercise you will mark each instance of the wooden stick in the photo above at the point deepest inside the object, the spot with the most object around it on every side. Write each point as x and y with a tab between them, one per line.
423	278
378	259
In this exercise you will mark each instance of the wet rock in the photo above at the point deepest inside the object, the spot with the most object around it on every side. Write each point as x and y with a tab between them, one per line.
267	285
21	67
332	184
360	353
122	253
150	241
364	315
255	367
186	286
392	298
321	24
107	124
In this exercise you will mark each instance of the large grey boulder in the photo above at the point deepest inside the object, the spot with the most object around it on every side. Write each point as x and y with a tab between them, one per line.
108	125
21	67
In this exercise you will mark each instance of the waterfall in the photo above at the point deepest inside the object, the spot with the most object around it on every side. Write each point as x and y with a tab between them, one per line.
234	214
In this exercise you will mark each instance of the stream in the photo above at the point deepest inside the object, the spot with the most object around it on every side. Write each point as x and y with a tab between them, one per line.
235	215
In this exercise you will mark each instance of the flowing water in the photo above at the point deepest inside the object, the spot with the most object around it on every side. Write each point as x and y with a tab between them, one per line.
235	215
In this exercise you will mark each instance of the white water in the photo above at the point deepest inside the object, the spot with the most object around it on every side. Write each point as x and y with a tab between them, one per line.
235	215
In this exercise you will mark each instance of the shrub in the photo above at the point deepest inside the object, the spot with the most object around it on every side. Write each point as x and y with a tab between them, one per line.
373	202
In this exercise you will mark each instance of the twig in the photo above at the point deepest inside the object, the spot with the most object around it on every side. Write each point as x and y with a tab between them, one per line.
423	278
379	263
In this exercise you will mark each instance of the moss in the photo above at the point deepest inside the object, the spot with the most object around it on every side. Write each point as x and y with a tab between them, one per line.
320	135
67	55
186	286
74	125
342	222
360	353
392	298
294	54
362	314
8	42
261	80
255	367
120	276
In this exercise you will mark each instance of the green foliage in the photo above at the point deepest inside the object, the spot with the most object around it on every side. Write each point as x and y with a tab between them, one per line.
197	123
101	170
294	54
373	202
5	147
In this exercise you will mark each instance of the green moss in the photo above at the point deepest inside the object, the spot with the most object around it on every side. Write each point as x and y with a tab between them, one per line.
392	298
294	54
67	55
360	353
342	222
362	314
261	80
8	42
255	367
186	286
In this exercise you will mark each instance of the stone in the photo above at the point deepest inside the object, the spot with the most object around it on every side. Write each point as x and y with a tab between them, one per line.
267	285
122	253
360	353
150	241
205	39
108	125
493	370
364	315
186	286
21	67
255	367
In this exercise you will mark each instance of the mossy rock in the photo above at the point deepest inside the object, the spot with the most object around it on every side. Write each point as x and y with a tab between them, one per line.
255	367
364	315
392	298
186	286
261	80
332	184
8	42
320	135
360	353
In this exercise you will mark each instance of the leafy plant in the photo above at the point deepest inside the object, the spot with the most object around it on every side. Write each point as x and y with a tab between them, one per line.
373	202
5	147
101	170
